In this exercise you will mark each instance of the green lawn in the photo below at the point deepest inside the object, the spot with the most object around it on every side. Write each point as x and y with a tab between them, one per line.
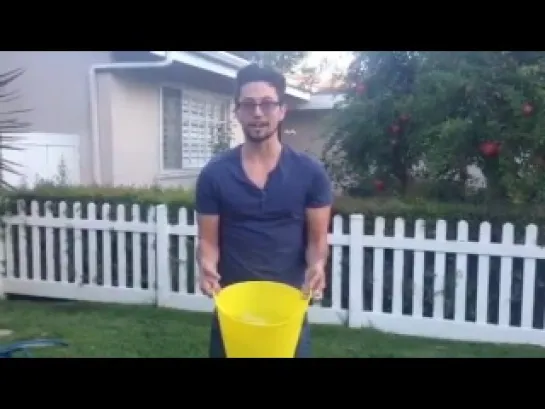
97	330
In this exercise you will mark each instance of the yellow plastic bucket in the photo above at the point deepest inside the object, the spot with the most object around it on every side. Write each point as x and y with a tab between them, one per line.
260	319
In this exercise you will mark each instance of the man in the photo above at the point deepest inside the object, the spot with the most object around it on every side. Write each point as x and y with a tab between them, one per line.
263	209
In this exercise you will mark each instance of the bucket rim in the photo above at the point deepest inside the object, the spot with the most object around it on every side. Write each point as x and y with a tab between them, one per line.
280	324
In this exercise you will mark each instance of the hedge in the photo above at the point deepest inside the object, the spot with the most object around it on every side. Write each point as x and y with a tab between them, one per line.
372	207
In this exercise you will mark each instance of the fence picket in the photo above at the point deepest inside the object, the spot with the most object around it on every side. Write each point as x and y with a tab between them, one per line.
121	250
36	252
483	274
418	270
182	253
440	267
378	267
529	280
460	291
3	261
136	250
151	245
355	273
163	275
506	273
399	263
78	247
92	246
63	243
22	240
106	249
49	245
196	271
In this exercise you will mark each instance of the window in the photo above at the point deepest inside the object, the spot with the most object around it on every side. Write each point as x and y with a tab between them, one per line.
192	123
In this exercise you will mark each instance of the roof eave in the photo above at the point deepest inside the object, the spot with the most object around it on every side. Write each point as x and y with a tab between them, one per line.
225	64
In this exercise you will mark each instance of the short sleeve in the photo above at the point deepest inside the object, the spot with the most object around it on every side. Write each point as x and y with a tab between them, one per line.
320	193
207	199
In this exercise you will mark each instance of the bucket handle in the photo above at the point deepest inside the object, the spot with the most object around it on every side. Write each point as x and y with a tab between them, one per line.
307	298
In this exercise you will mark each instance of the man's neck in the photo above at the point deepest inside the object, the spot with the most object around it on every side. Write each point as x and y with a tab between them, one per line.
265	152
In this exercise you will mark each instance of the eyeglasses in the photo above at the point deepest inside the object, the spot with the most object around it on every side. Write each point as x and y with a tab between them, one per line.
267	107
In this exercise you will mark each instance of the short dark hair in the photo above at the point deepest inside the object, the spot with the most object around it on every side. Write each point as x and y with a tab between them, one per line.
256	73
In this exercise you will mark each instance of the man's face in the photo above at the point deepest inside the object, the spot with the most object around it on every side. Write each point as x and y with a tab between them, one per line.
259	111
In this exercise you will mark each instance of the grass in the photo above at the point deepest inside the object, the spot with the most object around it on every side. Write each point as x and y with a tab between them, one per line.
101	330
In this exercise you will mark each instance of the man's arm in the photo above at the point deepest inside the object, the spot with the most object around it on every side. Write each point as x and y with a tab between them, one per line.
318	213
208	209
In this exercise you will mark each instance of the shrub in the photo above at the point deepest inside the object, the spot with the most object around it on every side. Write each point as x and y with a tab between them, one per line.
410	210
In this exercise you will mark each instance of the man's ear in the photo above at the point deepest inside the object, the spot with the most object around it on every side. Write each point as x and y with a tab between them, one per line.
283	111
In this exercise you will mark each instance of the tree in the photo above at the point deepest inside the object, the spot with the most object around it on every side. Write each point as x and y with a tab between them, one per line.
9	121
427	116
368	144
290	63
284	61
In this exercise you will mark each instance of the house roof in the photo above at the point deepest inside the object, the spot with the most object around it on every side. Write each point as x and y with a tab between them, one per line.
221	63
321	100
324	84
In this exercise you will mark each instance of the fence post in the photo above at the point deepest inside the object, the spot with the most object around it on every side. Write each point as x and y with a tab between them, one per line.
355	271
3	266
162	270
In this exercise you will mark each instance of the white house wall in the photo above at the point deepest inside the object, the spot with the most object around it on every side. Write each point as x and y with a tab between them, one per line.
134	135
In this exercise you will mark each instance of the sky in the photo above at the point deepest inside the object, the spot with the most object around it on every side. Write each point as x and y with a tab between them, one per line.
337	62
339	58
343	57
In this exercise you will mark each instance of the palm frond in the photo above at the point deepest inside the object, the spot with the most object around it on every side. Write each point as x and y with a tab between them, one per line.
10	122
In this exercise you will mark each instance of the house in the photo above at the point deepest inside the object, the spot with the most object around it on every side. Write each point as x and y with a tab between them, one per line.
306	124
136	118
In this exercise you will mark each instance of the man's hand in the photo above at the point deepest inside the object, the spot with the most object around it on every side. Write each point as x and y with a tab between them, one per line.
315	281
209	279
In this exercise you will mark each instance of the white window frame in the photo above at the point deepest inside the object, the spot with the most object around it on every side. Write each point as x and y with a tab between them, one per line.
200	94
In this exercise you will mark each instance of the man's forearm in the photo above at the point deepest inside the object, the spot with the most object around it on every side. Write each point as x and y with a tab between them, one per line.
207	253
317	252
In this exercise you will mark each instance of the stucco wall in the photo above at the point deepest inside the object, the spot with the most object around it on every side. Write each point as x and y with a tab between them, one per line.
55	90
306	130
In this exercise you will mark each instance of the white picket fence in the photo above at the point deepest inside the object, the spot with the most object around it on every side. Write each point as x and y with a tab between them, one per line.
117	257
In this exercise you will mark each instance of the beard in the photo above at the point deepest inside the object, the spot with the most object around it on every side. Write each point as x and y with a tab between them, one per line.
258	135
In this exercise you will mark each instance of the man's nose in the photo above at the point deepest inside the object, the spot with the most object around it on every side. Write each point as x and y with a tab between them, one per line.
257	110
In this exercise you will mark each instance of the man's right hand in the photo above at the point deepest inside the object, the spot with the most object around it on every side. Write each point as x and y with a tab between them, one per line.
209	279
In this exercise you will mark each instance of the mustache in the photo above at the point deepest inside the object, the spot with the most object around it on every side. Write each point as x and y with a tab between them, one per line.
259	139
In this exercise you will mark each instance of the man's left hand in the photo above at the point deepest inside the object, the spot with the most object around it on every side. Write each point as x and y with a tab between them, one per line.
315	281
